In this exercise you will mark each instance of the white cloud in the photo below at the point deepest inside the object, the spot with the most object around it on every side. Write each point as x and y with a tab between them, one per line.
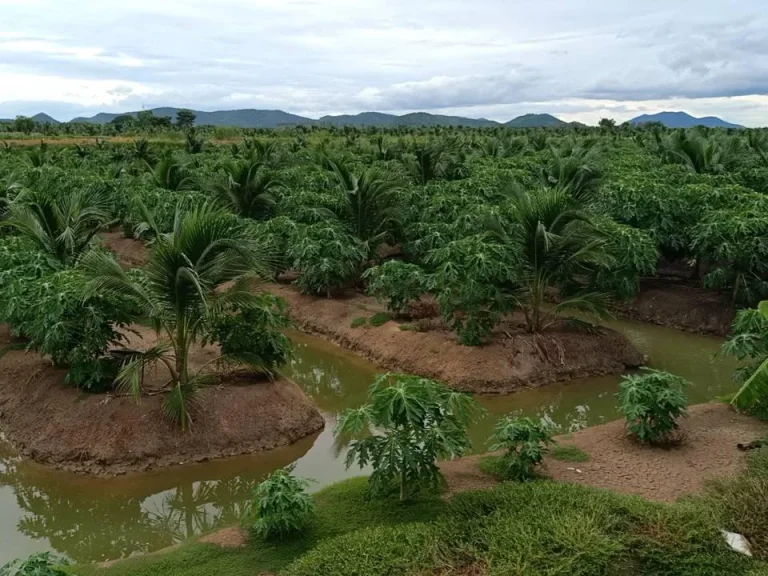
581	59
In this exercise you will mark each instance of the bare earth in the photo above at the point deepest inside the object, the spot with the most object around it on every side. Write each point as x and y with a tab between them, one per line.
618	463
501	366
680	306
102	434
130	253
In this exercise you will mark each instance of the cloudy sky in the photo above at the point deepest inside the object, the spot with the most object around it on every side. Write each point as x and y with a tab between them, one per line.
578	59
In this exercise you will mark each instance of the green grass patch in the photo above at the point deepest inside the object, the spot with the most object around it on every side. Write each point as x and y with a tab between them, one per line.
341	508
567	453
410	328
493	466
359	321
379	319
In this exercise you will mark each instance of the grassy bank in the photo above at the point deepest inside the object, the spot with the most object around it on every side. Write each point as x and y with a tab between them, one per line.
535	528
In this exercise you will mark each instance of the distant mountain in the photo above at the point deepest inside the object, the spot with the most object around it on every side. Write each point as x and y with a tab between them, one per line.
236	118
683	120
414	119
42	118
535	121
277	118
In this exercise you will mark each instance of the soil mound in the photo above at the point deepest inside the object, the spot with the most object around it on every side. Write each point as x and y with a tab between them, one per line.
104	434
512	360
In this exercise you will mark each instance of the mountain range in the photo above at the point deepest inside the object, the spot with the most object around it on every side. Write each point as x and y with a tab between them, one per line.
277	118
683	120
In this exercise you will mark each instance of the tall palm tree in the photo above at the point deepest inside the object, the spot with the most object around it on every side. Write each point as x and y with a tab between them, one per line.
369	207
182	291
555	241
247	187
61	223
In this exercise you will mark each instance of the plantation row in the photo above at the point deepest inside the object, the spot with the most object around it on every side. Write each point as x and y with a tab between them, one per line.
486	221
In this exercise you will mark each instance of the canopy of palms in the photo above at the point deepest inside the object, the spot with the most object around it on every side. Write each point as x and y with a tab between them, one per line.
61	223
248	188
555	241
182	292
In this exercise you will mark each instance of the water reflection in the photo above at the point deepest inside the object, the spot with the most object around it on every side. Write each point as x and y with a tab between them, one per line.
92	519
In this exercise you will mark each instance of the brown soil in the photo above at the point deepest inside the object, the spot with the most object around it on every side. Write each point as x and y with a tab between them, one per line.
232	537
104	434
677	305
509	362
617	462
130	253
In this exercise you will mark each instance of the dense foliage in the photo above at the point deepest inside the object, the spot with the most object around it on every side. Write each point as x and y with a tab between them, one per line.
652	402
43	564
749	341
548	222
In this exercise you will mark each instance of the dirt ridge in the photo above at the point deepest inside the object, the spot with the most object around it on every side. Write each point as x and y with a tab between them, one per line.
504	365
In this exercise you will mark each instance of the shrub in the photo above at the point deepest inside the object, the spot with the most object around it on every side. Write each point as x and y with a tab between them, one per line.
652	402
409	423
399	283
749	340
525	441
378	551
282	505
251	335
43	564
326	257
51	313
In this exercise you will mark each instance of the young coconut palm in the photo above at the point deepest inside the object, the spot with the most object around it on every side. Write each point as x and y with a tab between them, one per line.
555	241
62	224
369	208
247	188
182	292
171	174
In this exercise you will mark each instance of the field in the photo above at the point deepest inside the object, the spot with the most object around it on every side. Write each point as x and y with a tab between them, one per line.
483	258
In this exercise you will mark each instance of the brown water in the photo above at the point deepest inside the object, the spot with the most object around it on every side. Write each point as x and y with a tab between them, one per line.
94	519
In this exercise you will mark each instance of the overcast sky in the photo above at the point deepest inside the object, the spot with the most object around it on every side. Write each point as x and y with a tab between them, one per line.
578	59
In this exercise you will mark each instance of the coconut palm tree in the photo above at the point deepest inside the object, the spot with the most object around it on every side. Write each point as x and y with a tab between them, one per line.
554	241
182	291
171	174
247	187
573	167
369	207
61	223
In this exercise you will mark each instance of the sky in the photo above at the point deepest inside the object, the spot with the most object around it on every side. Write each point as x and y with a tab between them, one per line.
577	59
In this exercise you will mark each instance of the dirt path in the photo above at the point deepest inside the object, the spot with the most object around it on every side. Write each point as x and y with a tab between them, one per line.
103	434
512	360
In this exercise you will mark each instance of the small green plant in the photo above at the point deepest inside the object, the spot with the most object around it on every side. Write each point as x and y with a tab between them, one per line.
397	282
569	454
408	425
359	322
379	319
282	505
43	564
652	402
525	441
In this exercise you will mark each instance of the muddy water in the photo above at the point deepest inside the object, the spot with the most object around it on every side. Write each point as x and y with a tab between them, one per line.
91	519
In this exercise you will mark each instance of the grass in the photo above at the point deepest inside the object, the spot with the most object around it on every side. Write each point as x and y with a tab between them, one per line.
359	321
410	328
341	508
379	319
566	453
538	528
